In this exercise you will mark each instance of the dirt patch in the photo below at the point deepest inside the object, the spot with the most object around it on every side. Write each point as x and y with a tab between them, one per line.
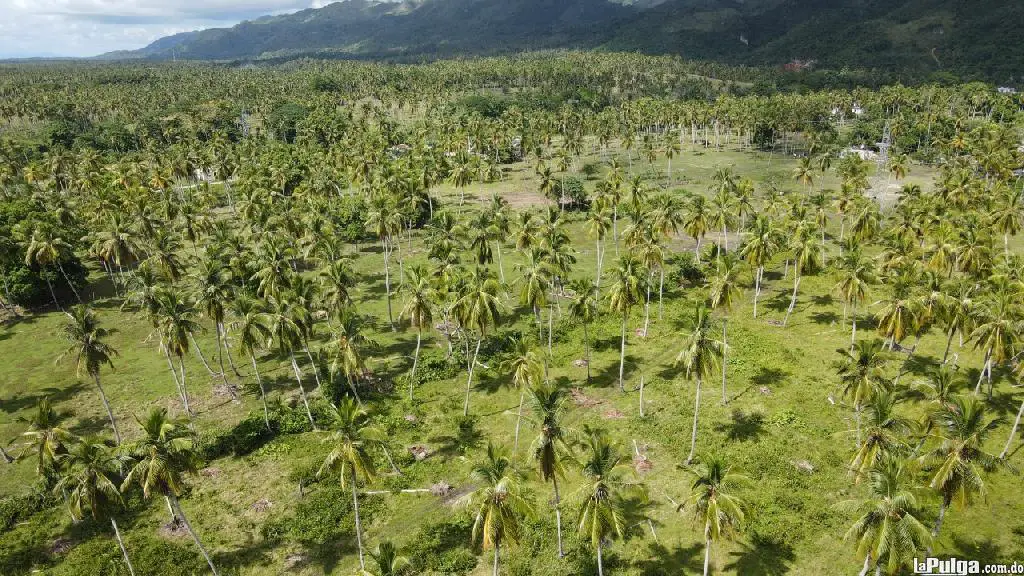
581	363
613	414
765	391
803	466
582	400
262	505
442	489
420	452
61	546
526	199
225	391
295	561
173	530
210	472
455	494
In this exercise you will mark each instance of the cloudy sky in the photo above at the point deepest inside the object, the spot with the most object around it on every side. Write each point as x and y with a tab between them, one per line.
90	27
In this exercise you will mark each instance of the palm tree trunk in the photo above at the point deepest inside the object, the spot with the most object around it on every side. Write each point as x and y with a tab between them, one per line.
415	362
220	362
184	388
550	313
558	515
312	364
52	293
949	342
263	392
195	537
693	435
641	395
1013	432
661	292
984	367
227	350
853	319
757	287
519	420
725	325
597	274
170	508
497	546
586	348
647	306
501	267
359	524
199	351
302	390
68	281
792	301
106	404
469	379
622	354
867	566
707	555
124	551
600	562
387	284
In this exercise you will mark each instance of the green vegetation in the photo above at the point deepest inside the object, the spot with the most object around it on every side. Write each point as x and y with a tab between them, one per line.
460	318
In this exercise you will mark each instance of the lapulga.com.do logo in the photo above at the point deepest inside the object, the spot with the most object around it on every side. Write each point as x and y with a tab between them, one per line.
955	567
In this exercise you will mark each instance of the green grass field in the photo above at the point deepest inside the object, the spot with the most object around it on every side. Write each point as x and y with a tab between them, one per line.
779	428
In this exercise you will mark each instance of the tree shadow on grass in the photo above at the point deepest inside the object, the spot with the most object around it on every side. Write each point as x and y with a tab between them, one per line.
983	550
742	426
823	300
827	318
608	377
26	401
90	426
663	561
466	436
761	557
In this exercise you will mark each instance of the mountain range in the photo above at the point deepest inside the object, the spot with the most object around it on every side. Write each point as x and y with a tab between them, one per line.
974	38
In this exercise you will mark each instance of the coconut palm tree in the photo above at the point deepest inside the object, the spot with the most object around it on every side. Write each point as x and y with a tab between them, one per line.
697	221
419	308
85	337
159	462
527	370
176	322
583	308
88	484
44	250
700	356
622	296
714	505
957	465
856	273
887	530
759	248
478	308
213	295
883	433
45	439
351	437
553	444
997	325
860	373
723	292
286	322
806	250
348	344
598	223
600	501
535	280
500	504
252	323
388	561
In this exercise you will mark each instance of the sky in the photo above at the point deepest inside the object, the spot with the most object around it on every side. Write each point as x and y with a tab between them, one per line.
47	28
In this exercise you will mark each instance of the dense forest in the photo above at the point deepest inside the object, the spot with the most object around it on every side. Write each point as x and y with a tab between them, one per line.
555	313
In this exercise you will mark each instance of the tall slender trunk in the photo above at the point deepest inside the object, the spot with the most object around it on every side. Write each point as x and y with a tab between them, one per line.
707	555
985	366
263	392
195	537
497	546
725	361
359	524
597	275
519	420
622	354
220	362
387	283
550	313
68	281
647	306
124	551
867	565
949	342
757	287
302	390
615	228
199	351
641	395
469	379
558	515
227	350
792	301
184	388
853	319
52	293
1013	432
501	267
312	363
106	404
415	361
693	435
177	384
586	348
661	292
600	561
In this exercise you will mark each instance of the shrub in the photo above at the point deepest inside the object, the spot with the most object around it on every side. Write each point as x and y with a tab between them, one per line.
443	548
323	517
687	270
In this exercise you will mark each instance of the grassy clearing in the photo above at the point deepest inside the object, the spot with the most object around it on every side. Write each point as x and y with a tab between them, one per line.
779	427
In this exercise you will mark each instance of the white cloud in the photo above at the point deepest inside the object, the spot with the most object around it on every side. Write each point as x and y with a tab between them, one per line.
90	27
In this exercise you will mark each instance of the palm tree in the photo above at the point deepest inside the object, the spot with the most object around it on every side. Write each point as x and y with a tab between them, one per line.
553	444
997	324
697	221
286	322
957	465
723	292
46	438
583	308
806	250
160	460
388	561
713	503
479	308
419	308
856	273
883	434
87	483
500	504
44	251
758	250
175	321
600	499
253	326
598	224
348	354
887	530
85	338
622	296
350	439
700	356
213	294
535	278
861	374
527	370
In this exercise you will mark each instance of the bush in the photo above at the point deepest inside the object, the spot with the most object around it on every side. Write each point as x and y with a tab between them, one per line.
687	270
324	517
14	509
574	196
443	548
